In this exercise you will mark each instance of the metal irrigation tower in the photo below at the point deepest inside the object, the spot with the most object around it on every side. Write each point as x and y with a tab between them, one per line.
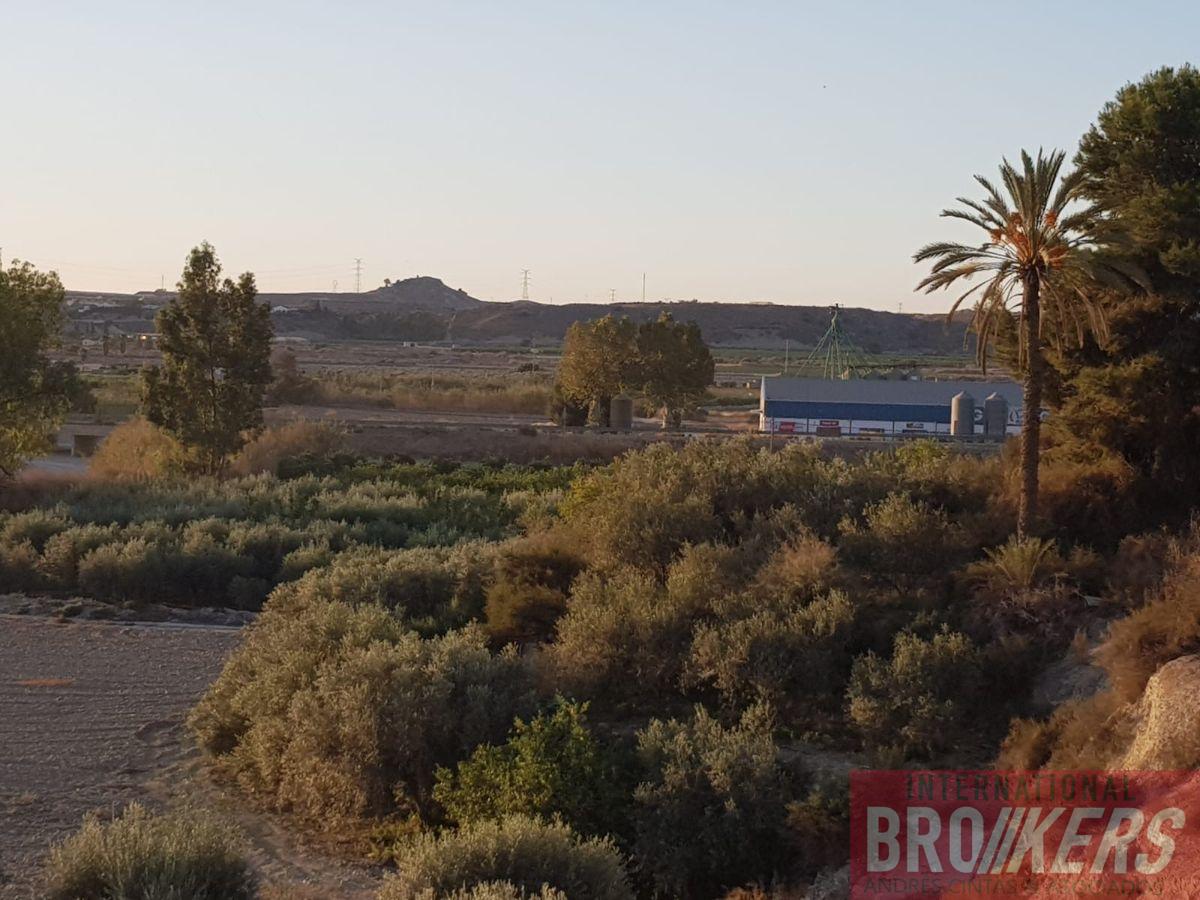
835	354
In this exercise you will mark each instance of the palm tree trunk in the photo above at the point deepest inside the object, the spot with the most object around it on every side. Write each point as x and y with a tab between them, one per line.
1031	421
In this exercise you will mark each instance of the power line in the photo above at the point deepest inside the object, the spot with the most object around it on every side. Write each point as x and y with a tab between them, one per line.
524	284
357	275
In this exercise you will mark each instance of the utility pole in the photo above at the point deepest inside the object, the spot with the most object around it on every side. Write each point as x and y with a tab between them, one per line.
524	284
357	275
612	295
787	350
900	307
643	287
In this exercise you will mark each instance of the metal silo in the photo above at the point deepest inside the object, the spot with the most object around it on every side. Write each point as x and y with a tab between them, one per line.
962	415
995	417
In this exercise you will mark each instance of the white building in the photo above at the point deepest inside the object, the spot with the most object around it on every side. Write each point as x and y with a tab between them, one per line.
866	406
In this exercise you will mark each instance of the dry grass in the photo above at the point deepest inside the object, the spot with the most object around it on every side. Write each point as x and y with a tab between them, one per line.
1082	734
274	445
1165	628
138	451
523	394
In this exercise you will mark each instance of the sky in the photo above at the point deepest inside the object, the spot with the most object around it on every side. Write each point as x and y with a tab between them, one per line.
792	152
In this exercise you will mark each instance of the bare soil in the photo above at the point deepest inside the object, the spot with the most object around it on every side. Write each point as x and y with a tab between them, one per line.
92	718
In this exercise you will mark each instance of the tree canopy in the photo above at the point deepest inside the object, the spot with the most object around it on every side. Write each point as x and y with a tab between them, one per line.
674	365
665	361
599	362
1141	163
1038	261
34	391
215	340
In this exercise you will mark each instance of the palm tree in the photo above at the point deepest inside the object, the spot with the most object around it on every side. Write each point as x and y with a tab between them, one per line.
1039	264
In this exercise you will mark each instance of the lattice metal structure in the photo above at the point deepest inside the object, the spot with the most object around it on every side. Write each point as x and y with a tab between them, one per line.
835	355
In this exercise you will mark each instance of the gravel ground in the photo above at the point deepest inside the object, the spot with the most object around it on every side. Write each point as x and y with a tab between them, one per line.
91	718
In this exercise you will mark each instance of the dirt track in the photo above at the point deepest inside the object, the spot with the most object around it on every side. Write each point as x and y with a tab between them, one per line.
91	718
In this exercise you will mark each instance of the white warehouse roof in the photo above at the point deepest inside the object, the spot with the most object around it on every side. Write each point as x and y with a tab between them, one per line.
867	390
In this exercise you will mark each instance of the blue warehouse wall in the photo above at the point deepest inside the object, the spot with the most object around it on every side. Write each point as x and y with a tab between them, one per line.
882	412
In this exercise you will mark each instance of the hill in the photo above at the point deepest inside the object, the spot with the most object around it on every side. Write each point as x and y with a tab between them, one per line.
426	309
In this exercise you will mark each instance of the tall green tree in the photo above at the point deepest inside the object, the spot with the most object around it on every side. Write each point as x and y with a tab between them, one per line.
1139	395
1038	263
599	361
674	365
34	391
215	340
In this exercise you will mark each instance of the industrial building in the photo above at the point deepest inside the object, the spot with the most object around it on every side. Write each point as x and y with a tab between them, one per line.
882	408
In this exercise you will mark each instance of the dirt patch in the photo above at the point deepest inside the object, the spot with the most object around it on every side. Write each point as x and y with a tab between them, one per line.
91	718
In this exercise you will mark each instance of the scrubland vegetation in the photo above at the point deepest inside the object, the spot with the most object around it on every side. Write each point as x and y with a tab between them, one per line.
142	855
206	542
524	393
512	681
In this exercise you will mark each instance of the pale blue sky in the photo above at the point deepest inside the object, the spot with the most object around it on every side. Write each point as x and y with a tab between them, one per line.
795	152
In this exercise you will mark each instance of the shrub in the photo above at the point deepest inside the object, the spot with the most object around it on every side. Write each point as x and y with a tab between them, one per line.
551	766
920	701
63	552
136	450
529	592
819	825
504	890
710	814
135	570
901	542
1166	627
275	445
800	569
35	527
1019	567
433	589
1088	501
1080	734
626	635
19	567
795	659
153	568
142	856
1140	564
646	506
339	712
523	852
302	560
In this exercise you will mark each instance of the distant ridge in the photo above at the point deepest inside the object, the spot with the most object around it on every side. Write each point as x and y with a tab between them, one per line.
426	309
